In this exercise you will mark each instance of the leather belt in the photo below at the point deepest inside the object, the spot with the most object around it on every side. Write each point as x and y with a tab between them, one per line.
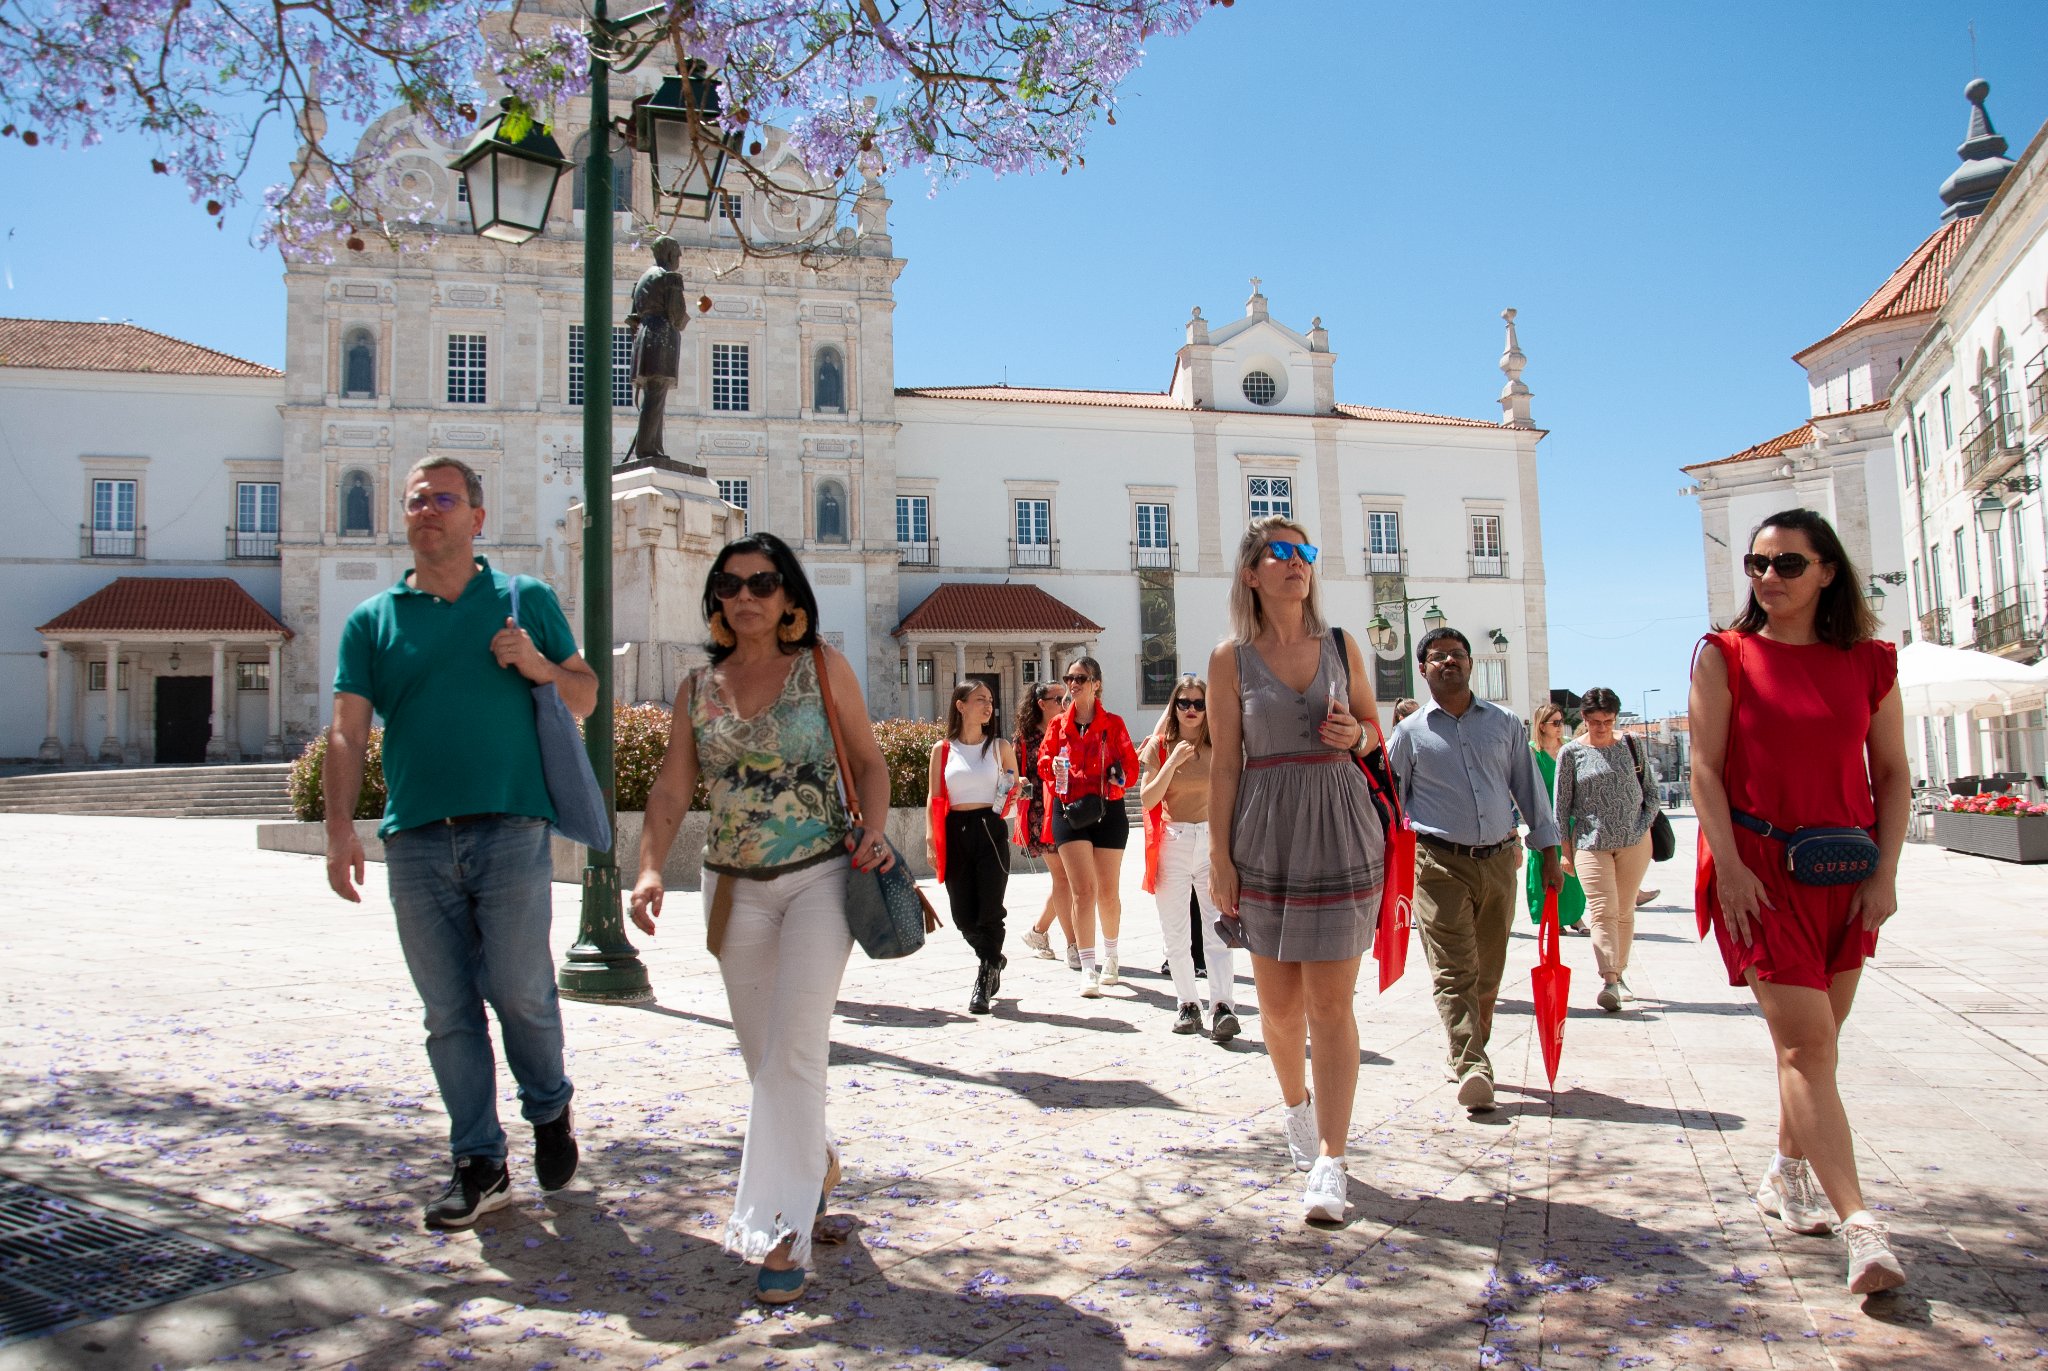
1477	852
459	820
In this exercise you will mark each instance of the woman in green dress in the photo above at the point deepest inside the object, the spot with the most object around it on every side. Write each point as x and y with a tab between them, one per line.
1546	740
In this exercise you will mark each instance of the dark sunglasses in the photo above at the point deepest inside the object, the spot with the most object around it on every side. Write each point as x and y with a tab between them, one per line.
1790	566
1285	552
1191	706
1078	679
439	499
760	585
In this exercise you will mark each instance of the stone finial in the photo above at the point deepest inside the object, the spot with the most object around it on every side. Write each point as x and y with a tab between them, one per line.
1255	305
1514	396
1198	327
312	123
1985	166
1318	336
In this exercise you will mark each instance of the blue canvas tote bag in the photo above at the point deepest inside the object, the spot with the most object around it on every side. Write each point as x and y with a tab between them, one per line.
572	782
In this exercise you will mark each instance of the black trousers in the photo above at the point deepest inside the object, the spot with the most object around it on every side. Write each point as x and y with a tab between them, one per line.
977	874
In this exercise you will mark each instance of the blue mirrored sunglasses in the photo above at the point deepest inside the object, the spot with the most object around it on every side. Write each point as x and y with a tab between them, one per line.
1284	552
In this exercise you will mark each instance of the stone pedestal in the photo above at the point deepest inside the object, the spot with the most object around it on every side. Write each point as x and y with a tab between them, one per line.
667	526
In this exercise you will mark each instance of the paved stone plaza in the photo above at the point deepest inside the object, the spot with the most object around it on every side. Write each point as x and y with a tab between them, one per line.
197	1032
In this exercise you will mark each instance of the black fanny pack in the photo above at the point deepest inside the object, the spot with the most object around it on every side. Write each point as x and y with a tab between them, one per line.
1083	811
1819	856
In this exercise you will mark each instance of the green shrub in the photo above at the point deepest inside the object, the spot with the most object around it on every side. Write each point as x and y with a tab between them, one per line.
304	783
639	745
907	748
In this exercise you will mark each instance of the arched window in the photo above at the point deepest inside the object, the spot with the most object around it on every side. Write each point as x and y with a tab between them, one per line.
828	381
831	512
622	174
359	364
356	505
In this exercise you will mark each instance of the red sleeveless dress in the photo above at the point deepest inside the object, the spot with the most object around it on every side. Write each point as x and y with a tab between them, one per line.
1796	757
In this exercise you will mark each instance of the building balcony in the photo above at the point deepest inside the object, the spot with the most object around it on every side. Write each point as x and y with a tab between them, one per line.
2037	392
1386	563
1934	628
2004	626
925	553
111	542
1992	444
251	547
1035	555
1155	557
1486	565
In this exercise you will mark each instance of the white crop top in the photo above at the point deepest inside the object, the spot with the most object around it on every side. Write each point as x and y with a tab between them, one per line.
971	774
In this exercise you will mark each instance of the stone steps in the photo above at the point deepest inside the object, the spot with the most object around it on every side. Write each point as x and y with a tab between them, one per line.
185	792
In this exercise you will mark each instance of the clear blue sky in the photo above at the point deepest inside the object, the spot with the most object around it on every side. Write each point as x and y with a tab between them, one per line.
1676	198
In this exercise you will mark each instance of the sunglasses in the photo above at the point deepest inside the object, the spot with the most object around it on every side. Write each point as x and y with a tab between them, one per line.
760	585
1287	552
440	500
1790	566
1078	680
1191	706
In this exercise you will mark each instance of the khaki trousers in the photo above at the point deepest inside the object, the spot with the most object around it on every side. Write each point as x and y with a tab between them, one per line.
1463	909
1612	878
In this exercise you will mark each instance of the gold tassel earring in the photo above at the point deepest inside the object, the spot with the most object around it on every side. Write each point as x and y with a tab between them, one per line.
721	633
794	626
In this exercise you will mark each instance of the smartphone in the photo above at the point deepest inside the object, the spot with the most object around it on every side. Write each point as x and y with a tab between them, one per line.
1336	698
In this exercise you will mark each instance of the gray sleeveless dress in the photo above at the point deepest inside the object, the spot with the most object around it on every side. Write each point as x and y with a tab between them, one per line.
1306	841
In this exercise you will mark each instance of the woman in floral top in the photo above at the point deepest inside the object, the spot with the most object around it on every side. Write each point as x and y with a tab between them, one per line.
776	862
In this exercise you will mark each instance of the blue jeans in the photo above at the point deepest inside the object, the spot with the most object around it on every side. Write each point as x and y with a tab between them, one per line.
474	906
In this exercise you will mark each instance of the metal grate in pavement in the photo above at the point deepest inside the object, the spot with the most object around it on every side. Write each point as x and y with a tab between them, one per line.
64	1263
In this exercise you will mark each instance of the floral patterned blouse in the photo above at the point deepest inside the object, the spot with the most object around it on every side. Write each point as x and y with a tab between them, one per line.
772	780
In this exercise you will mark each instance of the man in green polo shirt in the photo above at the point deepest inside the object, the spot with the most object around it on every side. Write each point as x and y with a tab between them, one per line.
448	658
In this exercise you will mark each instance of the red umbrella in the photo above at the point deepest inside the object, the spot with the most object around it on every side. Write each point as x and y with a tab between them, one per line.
1550	985
1397	904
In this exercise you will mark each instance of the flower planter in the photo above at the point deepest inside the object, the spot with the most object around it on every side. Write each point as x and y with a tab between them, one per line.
2021	838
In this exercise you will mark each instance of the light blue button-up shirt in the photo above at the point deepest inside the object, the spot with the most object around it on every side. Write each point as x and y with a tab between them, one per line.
1464	778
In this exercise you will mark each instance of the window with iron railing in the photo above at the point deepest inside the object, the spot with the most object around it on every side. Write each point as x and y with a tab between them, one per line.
2003	620
1487	558
1383	542
1033	545
2037	388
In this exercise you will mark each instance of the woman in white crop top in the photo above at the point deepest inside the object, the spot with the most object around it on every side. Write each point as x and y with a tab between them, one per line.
973	772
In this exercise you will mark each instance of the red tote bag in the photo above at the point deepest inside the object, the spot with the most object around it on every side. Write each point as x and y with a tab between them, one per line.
1550	983
1397	896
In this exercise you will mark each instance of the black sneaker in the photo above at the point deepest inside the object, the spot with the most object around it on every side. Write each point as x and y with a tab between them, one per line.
478	1186
554	1151
1189	1019
977	1003
1225	1027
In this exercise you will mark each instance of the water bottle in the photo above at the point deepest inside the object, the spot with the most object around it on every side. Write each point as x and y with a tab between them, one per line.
1060	765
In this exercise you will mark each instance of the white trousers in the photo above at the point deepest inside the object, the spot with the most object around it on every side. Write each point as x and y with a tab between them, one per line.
1184	865
784	954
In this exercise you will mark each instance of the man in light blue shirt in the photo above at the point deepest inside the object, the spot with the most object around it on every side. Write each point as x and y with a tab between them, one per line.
1465	771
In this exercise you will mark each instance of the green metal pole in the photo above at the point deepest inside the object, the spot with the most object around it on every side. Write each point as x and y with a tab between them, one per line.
602	965
1407	651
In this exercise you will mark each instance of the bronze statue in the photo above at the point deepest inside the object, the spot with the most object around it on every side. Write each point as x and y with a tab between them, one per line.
658	319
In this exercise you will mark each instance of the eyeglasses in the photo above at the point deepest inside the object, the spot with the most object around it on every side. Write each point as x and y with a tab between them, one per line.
1790	566
1053	701
1191	706
1599	717
1079	678
760	585
439	499
1445	658
1284	552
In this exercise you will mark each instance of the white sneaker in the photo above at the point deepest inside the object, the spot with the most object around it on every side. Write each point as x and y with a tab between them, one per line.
1302	1142
1091	985
1073	957
1110	969
1872	1264
1790	1194
1475	1092
1323	1199
1038	943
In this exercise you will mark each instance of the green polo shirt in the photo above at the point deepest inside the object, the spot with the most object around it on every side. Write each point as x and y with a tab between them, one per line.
459	735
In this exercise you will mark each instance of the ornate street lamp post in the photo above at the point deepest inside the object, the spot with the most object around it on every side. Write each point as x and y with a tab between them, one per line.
1380	633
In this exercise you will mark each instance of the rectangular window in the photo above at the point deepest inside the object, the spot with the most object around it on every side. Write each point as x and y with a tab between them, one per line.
1155	542
1919	590
1034	533
113	519
622	366
730	206
1934	576
1490	677
914	530
252	675
1028	671
1948	420
1266	495
1487	557
730	377
1962	575
255	518
924	671
1920	434
467	358
96	675
1383	541
739	494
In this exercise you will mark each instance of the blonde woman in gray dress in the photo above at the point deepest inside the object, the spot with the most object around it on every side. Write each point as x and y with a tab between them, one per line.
1296	852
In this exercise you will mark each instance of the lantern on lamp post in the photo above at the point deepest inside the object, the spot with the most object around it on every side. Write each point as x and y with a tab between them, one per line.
510	180
680	128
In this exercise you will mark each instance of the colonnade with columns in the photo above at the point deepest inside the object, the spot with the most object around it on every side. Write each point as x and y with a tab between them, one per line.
130	709
953	658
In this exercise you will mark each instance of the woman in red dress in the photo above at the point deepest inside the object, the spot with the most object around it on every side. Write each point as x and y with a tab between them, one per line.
1816	739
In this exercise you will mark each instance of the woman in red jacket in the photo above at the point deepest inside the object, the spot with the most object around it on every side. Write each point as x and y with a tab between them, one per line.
1087	760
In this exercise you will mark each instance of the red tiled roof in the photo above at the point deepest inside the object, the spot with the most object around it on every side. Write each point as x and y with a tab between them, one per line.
1919	286
970	607
1788	440
167	604
69	345
1148	399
